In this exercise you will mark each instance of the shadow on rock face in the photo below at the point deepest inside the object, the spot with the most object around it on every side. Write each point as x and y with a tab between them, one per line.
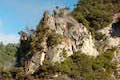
116	29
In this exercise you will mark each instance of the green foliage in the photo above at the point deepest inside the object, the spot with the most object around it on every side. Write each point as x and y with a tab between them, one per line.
54	39
95	14
100	36
88	68
6	75
20	73
7	55
39	36
76	66
64	53
103	65
23	49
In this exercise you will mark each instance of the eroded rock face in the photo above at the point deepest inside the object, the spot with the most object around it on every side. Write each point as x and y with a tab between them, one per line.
75	37
112	33
79	37
35	62
60	51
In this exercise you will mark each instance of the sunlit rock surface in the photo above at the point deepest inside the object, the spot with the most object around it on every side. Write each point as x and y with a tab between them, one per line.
74	37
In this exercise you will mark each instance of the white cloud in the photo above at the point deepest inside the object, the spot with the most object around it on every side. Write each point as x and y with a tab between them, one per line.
8	38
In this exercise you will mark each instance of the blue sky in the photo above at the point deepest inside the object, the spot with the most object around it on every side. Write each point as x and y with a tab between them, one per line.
15	15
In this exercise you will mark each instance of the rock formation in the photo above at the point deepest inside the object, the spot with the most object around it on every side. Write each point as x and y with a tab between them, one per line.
112	33
60	36
63	37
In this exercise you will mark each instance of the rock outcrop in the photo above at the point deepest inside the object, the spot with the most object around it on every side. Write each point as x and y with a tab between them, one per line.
69	37
60	36
112	33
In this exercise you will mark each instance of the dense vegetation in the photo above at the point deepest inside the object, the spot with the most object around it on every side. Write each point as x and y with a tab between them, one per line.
80	66
7	55
94	14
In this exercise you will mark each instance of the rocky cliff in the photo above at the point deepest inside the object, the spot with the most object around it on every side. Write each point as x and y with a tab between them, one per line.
112	40
63	37
59	36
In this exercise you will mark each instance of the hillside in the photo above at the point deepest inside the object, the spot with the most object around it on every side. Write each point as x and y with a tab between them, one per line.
80	45
7	55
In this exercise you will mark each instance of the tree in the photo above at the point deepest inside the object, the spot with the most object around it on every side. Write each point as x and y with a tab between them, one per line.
96	14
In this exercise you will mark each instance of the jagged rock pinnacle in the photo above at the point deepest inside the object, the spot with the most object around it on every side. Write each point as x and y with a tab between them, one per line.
45	18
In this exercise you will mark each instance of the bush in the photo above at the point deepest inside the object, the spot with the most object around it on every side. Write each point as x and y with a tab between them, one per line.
95	14
100	36
88	68
54	39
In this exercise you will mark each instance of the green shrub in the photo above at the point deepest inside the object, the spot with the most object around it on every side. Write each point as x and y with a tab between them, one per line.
54	39
100	36
95	14
88	68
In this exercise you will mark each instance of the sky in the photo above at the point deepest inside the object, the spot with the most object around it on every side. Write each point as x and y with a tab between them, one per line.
15	15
